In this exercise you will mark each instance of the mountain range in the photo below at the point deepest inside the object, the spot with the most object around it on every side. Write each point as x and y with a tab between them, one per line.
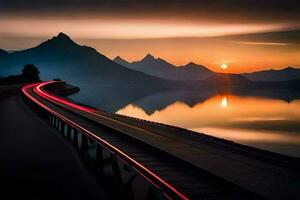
161	68
60	57
3	53
288	73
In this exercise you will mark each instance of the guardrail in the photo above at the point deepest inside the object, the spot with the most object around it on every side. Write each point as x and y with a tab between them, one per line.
132	180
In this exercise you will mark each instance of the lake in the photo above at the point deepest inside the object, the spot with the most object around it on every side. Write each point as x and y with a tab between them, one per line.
265	119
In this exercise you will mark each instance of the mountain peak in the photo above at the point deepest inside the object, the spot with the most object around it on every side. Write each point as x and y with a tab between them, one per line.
289	68
3	51
61	40
118	58
196	67
63	36
148	57
121	61
191	64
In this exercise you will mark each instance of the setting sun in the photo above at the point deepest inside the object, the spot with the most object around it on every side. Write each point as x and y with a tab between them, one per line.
224	66
224	102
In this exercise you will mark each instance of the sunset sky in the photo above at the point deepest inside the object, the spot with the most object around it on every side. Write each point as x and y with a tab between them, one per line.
246	35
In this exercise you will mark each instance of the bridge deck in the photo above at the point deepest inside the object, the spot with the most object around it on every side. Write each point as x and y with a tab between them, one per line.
197	165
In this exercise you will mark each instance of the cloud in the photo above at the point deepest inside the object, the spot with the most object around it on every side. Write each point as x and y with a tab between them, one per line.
207	10
128	29
275	38
264	43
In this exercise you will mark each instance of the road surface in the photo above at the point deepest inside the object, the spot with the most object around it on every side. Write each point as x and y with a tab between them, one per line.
267	174
36	163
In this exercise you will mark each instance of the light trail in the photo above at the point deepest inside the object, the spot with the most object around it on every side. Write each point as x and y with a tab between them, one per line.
142	170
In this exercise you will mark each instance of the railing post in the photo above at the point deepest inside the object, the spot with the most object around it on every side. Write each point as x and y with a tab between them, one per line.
91	152
127	188
52	120
84	145
99	155
75	138
116	170
56	123
62	127
69	133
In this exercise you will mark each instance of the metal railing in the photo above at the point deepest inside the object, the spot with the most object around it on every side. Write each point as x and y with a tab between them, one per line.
133	180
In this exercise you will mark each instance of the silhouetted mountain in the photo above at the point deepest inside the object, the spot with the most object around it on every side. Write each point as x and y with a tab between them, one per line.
288	73
62	58
122	62
3	53
195	71
226	79
161	68
148	65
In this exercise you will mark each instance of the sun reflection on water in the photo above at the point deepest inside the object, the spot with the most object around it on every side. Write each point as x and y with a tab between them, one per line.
271	124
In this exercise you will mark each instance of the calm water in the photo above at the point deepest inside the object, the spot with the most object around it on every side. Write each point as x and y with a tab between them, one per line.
265	119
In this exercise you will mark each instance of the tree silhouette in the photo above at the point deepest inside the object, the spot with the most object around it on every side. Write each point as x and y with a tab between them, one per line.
30	73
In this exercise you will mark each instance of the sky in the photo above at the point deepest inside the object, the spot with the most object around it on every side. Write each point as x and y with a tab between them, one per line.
246	35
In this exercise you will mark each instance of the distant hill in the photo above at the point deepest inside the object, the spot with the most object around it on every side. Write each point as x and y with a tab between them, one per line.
220	79
285	74
3	53
162	69
60	57
122	62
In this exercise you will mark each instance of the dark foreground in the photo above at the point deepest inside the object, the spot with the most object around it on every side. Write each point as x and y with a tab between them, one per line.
173	153
40	162
36	163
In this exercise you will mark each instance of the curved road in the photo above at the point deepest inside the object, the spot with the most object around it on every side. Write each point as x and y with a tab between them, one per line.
259	172
267	174
35	162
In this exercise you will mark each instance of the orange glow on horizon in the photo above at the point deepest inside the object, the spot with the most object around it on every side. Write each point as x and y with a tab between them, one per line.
177	42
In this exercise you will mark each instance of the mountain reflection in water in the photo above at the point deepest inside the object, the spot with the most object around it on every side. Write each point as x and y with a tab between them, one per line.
265	119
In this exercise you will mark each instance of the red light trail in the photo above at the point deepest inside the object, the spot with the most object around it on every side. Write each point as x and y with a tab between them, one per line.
145	172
